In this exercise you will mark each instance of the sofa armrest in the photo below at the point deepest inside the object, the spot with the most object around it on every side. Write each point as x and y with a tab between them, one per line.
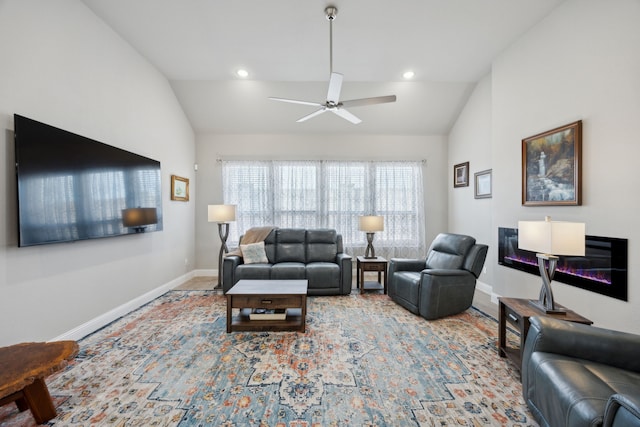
346	273
609	347
230	262
622	410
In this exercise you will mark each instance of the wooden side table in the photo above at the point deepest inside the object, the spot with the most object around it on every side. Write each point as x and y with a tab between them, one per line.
516	312
378	265
23	368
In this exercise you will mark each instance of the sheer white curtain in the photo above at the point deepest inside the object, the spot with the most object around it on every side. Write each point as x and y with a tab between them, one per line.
331	194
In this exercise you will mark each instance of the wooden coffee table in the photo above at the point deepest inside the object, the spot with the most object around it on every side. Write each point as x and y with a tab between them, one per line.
23	368
247	295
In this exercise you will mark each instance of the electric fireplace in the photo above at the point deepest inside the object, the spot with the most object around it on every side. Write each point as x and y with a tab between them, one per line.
603	268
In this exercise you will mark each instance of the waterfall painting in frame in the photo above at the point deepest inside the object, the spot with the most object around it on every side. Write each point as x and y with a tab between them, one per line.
552	167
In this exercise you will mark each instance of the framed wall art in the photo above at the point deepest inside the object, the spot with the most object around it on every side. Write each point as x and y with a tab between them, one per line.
552	167
461	175
482	184
179	188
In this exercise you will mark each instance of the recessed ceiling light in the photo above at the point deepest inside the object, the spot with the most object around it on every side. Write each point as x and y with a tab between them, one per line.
242	73
408	75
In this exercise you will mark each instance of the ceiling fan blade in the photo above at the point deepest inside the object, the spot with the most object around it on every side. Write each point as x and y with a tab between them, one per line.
368	101
309	116
294	101
346	115
335	85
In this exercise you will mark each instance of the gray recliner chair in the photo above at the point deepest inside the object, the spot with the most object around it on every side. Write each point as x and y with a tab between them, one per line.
444	283
580	375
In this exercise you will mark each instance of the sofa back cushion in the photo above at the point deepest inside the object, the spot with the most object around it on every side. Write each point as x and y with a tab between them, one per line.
270	246
322	245
290	245
448	251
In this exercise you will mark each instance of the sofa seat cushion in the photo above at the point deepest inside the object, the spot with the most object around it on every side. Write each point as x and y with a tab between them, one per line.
322	274
253	271
576	390
288	271
406	290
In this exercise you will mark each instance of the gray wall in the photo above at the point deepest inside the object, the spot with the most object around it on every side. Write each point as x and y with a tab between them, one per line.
581	63
63	66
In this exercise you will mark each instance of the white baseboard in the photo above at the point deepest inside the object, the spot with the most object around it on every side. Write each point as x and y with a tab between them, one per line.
126	308
487	289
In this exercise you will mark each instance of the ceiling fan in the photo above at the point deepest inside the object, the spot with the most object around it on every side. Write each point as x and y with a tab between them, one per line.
333	102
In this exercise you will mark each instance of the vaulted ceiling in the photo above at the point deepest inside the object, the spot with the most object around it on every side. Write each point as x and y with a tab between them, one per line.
284	45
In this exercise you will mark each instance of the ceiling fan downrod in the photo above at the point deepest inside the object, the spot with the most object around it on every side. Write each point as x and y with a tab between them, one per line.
331	12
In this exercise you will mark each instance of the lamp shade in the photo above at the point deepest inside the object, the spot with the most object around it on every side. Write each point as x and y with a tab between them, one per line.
371	223
552	237
137	217
222	213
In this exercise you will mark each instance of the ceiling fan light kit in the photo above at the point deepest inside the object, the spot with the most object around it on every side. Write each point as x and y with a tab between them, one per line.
333	102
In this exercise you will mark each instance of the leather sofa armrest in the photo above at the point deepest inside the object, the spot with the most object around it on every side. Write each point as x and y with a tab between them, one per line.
405	264
230	262
346	272
622	410
609	347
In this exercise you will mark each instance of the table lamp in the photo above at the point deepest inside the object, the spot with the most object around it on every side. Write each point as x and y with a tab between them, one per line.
139	218
549	239
370	224
223	215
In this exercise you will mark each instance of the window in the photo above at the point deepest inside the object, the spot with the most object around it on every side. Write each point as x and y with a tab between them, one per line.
330	194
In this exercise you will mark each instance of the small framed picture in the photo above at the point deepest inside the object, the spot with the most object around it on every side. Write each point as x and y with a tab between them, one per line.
461	175
482	184
179	188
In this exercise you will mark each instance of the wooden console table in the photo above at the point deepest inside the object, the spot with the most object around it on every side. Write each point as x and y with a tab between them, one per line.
377	264
23	368
516	312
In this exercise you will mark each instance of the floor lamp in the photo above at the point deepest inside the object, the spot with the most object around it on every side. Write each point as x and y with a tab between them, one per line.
223	215
549	239
370	224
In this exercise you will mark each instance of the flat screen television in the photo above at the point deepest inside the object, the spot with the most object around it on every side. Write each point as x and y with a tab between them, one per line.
75	188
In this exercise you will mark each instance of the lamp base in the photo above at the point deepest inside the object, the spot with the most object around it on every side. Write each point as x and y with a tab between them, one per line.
540	306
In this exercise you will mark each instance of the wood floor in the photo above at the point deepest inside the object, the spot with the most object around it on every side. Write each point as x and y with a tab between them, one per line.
481	300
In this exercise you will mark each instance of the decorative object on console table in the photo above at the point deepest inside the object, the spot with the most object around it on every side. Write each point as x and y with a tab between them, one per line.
482	184
370	224
517	311
461	175
552	167
549	239
378	265
139	218
222	214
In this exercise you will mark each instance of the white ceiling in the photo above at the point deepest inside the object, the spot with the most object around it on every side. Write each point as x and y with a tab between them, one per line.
284	44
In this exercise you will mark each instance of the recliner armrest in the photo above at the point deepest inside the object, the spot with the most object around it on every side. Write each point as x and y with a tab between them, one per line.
406	264
622	410
449	272
609	347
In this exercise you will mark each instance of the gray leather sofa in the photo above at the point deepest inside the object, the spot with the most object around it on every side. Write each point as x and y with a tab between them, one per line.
444	283
293	253
580	375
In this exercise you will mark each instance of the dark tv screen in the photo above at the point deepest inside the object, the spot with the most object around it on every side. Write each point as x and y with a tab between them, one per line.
75	188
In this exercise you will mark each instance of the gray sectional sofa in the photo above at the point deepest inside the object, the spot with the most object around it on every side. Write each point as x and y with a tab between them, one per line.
294	253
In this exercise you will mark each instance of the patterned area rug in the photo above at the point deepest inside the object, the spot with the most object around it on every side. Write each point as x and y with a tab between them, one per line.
364	361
